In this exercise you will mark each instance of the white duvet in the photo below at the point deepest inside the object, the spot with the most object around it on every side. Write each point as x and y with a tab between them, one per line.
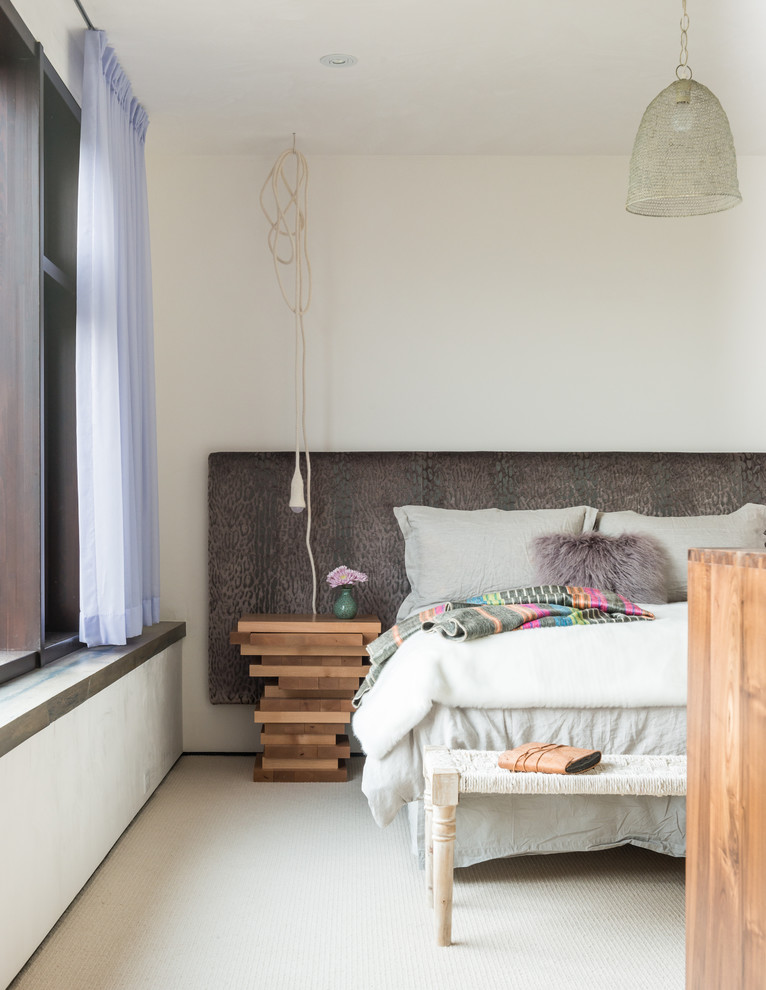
620	665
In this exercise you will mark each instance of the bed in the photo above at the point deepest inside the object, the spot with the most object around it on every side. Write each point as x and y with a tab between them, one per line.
617	689
626	693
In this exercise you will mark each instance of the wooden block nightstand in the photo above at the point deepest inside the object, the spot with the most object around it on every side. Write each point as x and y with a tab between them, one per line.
313	666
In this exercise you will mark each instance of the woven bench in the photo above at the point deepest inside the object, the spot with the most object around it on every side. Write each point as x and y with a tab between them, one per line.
452	772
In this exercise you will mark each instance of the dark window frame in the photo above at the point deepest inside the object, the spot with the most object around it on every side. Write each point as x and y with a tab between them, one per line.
39	540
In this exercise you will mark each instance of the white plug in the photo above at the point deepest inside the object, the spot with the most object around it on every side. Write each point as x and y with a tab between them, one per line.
297	499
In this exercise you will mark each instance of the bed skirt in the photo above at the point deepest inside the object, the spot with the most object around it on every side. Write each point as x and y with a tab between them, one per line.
498	826
539	824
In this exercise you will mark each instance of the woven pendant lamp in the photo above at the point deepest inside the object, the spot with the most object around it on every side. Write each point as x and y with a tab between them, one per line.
683	162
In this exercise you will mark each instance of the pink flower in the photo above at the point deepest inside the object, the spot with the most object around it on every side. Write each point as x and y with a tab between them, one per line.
344	575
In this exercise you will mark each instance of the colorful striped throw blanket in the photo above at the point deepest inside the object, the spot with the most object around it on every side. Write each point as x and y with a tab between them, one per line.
503	611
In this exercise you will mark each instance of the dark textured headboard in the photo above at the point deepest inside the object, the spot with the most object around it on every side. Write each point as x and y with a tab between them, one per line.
256	547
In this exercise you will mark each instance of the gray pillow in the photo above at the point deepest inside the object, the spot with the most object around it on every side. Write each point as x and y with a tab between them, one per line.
451	554
677	534
633	564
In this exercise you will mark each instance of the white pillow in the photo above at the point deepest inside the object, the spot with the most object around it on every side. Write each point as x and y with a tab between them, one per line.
452	554
677	534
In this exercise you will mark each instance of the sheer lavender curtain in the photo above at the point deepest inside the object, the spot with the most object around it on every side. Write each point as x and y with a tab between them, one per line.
116	424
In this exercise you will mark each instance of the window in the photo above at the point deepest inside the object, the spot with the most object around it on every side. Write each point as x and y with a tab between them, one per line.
60	558
39	159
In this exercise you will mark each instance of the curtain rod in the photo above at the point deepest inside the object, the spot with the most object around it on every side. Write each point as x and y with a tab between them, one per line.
84	13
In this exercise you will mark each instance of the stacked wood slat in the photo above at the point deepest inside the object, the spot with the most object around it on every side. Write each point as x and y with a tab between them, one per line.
312	666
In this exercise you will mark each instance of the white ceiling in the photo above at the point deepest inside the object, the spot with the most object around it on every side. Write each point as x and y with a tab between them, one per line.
434	77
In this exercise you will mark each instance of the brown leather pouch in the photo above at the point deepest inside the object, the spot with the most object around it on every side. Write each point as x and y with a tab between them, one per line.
548	758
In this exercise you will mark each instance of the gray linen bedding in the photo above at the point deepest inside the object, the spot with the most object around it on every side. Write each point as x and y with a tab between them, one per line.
538	824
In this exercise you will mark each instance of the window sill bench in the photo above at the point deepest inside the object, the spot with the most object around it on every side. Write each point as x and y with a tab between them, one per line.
33	701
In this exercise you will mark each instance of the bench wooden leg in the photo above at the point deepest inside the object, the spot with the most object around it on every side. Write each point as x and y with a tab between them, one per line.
429	842
428	809
444	797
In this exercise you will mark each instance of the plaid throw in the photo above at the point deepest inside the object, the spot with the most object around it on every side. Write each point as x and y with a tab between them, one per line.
503	611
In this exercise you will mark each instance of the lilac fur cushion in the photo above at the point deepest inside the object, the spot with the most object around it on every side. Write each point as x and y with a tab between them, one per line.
632	564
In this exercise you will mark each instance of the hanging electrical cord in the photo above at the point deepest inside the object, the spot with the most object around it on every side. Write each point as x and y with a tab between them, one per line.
287	243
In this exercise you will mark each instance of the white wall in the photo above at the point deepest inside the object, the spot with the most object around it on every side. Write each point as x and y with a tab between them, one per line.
459	303
69	791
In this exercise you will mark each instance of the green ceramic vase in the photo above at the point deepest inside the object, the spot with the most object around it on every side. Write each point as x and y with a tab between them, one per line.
345	603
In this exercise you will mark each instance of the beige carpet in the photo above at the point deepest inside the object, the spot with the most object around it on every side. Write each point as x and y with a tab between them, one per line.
223	884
